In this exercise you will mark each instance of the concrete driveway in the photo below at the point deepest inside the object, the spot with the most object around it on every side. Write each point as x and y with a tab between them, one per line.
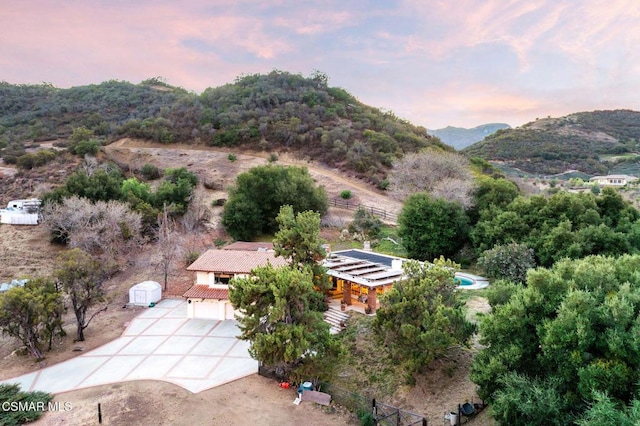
160	344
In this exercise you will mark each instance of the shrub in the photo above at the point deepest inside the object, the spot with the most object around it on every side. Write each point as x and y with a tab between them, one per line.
85	147
345	195
25	162
191	257
232	157
510	262
11	393
273	157
150	172
366	418
366	223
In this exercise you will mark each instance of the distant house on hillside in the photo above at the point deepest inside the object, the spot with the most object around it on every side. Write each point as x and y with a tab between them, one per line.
613	180
208	298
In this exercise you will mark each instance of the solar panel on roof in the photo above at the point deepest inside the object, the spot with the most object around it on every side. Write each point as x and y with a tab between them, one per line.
368	256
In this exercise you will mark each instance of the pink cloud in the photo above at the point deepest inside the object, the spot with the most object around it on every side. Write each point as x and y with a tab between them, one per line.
111	41
312	20
411	56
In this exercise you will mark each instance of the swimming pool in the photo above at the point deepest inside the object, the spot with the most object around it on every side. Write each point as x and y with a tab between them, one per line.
470	282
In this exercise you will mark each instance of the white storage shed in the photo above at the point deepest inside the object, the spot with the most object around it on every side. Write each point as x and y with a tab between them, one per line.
145	293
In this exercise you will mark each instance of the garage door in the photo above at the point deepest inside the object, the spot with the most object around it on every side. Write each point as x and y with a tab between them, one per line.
206	310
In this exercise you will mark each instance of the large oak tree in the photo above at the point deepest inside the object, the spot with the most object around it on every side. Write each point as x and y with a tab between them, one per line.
432	227
256	198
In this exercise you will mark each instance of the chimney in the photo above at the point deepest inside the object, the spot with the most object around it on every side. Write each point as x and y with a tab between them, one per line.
396	264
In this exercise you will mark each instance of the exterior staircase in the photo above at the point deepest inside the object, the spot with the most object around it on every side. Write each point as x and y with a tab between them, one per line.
335	318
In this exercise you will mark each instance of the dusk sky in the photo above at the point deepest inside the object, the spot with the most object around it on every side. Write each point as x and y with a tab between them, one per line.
436	63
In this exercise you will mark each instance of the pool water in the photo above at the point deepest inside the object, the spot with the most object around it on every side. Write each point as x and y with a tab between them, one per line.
464	280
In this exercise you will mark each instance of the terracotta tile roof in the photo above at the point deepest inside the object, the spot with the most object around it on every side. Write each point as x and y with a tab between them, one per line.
248	246
205	292
235	261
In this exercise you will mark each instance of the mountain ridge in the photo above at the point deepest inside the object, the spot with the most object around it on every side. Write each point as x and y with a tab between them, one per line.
460	137
275	112
596	142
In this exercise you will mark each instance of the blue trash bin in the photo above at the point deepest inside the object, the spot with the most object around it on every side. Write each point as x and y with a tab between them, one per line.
305	386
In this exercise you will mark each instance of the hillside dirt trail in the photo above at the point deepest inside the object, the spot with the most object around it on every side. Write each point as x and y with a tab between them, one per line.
213	164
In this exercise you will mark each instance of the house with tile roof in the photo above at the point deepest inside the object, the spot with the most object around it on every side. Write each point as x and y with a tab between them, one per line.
249	246
208	298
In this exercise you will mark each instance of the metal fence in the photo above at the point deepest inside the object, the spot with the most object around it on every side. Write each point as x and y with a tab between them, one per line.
354	402
388	415
383	414
350	205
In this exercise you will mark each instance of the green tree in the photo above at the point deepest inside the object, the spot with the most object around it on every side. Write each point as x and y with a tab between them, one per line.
81	134
366	223
135	191
573	330
491	192
299	241
606	411
299	237
81	276
88	147
510	262
101	185
563	225
614	209
422	317
31	313
181	173
526	401
82	142
277	317
255	199
431	227
176	190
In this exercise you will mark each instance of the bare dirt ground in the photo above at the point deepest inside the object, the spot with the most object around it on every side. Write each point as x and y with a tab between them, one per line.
213	165
254	400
